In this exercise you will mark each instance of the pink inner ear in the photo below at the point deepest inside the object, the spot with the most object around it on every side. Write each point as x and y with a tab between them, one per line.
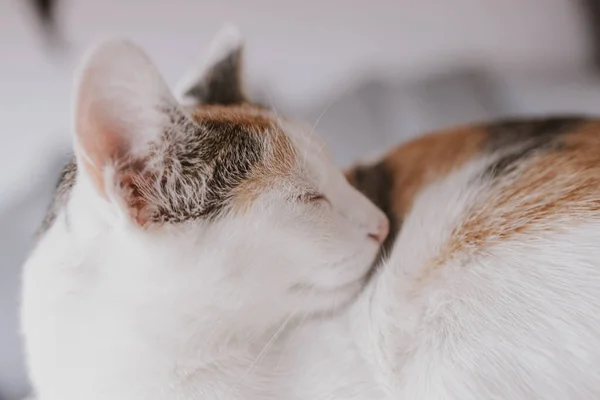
104	142
101	146
117	116
101	139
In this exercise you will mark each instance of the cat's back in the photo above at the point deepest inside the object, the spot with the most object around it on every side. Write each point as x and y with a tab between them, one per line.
492	288
531	153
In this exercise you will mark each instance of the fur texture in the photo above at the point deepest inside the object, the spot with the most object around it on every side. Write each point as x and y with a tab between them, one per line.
190	251
492	289
183	241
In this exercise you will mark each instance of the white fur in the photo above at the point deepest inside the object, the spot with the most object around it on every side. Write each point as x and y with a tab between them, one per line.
112	310
520	321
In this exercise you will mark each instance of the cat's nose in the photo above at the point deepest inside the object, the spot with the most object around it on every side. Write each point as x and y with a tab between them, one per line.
381	230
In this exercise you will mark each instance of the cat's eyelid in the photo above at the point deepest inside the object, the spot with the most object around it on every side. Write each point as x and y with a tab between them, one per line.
316	197
312	197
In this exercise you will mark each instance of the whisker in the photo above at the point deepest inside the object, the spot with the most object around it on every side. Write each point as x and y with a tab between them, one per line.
299	324
267	346
312	132
277	114
314	127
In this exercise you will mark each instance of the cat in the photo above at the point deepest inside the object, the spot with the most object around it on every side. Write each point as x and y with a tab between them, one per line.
491	284
149	280
185	236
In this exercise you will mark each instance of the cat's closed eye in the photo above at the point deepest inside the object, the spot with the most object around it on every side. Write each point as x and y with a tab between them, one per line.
313	197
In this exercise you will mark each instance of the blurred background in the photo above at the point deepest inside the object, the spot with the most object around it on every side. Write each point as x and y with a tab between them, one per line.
369	74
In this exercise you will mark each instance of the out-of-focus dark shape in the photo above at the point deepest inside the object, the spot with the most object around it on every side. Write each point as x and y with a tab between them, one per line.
46	13
45	10
591	10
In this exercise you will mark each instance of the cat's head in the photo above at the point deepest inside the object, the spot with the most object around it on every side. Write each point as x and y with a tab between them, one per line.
217	197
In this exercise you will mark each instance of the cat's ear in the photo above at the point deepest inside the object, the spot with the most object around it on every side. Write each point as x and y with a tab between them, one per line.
217	79
122	109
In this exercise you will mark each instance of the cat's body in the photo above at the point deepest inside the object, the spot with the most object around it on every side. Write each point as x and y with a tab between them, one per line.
496	269
492	288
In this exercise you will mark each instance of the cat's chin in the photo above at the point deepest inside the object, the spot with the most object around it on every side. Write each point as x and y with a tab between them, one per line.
327	302
375	266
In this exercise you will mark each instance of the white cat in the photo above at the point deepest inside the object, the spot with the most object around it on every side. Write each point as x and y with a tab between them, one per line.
182	241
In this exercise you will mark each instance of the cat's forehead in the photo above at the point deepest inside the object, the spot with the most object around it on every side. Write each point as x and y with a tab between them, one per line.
260	123
227	158
273	149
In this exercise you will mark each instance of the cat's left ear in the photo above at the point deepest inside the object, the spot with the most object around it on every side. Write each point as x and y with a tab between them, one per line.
218	80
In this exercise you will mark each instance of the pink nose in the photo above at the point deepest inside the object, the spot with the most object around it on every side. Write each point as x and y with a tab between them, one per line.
381	231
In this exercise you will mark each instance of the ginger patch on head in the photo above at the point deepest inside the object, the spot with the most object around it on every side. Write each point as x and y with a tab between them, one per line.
242	116
278	155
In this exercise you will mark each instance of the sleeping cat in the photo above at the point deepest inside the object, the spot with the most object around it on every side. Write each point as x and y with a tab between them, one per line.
492	286
183	243
183	240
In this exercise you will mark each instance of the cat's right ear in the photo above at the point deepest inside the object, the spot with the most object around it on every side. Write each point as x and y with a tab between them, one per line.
122	109
216	79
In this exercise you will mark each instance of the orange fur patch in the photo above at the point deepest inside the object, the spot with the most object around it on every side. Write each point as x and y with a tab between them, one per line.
279	157
420	162
548	188
560	181
247	116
